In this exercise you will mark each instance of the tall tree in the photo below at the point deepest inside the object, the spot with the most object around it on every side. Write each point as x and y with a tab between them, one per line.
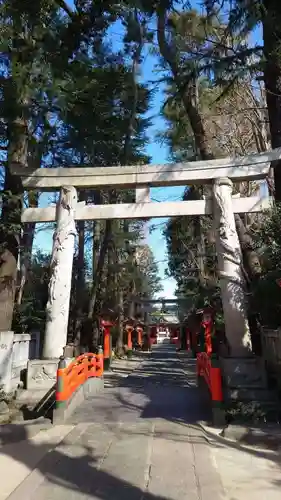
23	30
45	34
264	58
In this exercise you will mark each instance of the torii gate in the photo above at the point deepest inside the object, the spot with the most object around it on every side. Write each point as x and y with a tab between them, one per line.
217	173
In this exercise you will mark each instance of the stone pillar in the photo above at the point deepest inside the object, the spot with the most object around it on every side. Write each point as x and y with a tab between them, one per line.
57	310
230	270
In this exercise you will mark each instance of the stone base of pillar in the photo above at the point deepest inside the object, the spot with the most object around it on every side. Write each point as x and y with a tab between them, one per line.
215	409
218	416
106	363
244	378
68	351
129	353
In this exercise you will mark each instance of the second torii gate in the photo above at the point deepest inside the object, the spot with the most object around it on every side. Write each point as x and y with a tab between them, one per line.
220	174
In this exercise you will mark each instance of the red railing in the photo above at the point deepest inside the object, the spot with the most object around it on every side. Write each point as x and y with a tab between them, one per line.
70	377
211	375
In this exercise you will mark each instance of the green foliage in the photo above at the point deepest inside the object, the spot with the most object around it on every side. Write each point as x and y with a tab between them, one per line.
30	315
147	280
191	255
68	97
246	412
267	292
269	239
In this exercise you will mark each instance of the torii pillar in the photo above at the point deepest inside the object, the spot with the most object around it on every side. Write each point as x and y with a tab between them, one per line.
57	310
230	270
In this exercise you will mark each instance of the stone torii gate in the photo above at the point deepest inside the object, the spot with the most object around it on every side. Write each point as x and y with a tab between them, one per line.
220	174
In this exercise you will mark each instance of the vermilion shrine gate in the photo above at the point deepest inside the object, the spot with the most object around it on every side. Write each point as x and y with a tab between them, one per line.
219	174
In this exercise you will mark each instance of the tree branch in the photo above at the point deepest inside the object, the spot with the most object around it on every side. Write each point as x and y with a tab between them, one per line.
63	5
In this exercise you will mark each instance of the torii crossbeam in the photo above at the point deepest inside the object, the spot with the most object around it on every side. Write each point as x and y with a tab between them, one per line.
220	174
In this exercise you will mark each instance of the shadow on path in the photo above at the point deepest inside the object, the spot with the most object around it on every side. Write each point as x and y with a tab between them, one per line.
161	390
80	475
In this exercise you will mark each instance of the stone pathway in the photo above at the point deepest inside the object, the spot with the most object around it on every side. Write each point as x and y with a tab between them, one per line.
140	440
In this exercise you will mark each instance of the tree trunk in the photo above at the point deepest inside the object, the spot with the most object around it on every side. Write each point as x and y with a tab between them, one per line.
201	250
132	312
96	246
26	249
80	283
250	256
272	78
35	154
119	293
10	228
120	338
99	269
112	271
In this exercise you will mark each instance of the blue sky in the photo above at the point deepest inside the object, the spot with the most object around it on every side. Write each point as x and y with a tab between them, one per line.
159	154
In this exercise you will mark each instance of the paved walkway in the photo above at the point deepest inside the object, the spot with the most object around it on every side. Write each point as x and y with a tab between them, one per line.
139	440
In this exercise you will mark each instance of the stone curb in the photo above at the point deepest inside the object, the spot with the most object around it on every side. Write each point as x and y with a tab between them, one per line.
265	436
130	364
21	431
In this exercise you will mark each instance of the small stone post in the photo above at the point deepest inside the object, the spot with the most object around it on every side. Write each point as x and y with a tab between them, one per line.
230	270
57	309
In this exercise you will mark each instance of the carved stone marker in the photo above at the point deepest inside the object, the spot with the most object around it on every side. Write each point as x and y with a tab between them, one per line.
41	374
6	352
20	358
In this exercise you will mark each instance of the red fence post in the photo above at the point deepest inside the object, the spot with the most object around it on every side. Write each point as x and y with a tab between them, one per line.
217	393
216	385
129	330
99	362
60	401
107	354
208	369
